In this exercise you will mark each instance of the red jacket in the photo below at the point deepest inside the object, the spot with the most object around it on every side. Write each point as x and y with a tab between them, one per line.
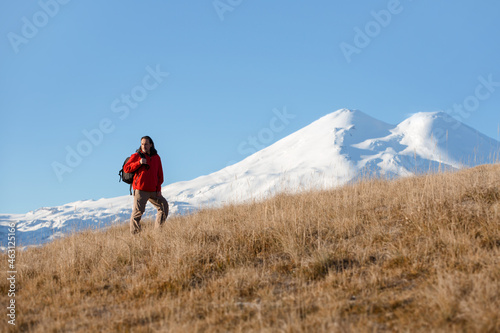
146	178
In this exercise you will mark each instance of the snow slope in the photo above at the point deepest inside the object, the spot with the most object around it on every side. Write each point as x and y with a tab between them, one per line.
331	151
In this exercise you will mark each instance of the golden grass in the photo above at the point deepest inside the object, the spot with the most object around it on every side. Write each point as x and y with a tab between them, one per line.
414	254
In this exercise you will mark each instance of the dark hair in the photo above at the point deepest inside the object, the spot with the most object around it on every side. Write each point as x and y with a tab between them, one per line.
153	149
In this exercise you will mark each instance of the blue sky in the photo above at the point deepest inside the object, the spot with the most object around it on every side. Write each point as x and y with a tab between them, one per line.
212	81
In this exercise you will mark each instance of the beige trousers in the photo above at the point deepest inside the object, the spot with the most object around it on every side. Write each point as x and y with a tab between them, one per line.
140	200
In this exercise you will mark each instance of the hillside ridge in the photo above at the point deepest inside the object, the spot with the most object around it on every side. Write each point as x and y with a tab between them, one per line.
415	253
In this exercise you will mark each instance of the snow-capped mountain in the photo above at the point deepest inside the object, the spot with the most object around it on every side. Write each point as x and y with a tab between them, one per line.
331	151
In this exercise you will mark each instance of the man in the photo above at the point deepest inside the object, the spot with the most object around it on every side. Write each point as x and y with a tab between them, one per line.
148	177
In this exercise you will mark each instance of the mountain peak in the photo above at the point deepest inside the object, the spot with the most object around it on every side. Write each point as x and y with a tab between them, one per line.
347	113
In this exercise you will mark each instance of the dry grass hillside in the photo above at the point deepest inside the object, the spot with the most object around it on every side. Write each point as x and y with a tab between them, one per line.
415	254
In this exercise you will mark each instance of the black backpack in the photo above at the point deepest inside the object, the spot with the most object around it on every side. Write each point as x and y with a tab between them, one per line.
128	177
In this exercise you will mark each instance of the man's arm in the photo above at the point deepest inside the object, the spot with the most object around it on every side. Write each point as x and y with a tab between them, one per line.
160	176
132	164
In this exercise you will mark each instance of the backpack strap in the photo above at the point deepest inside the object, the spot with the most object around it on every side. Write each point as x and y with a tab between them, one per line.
141	154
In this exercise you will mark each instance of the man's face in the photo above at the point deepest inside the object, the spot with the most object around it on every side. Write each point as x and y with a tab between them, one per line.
145	145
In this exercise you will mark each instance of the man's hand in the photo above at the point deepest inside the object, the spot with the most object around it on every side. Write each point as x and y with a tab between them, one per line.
144	161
